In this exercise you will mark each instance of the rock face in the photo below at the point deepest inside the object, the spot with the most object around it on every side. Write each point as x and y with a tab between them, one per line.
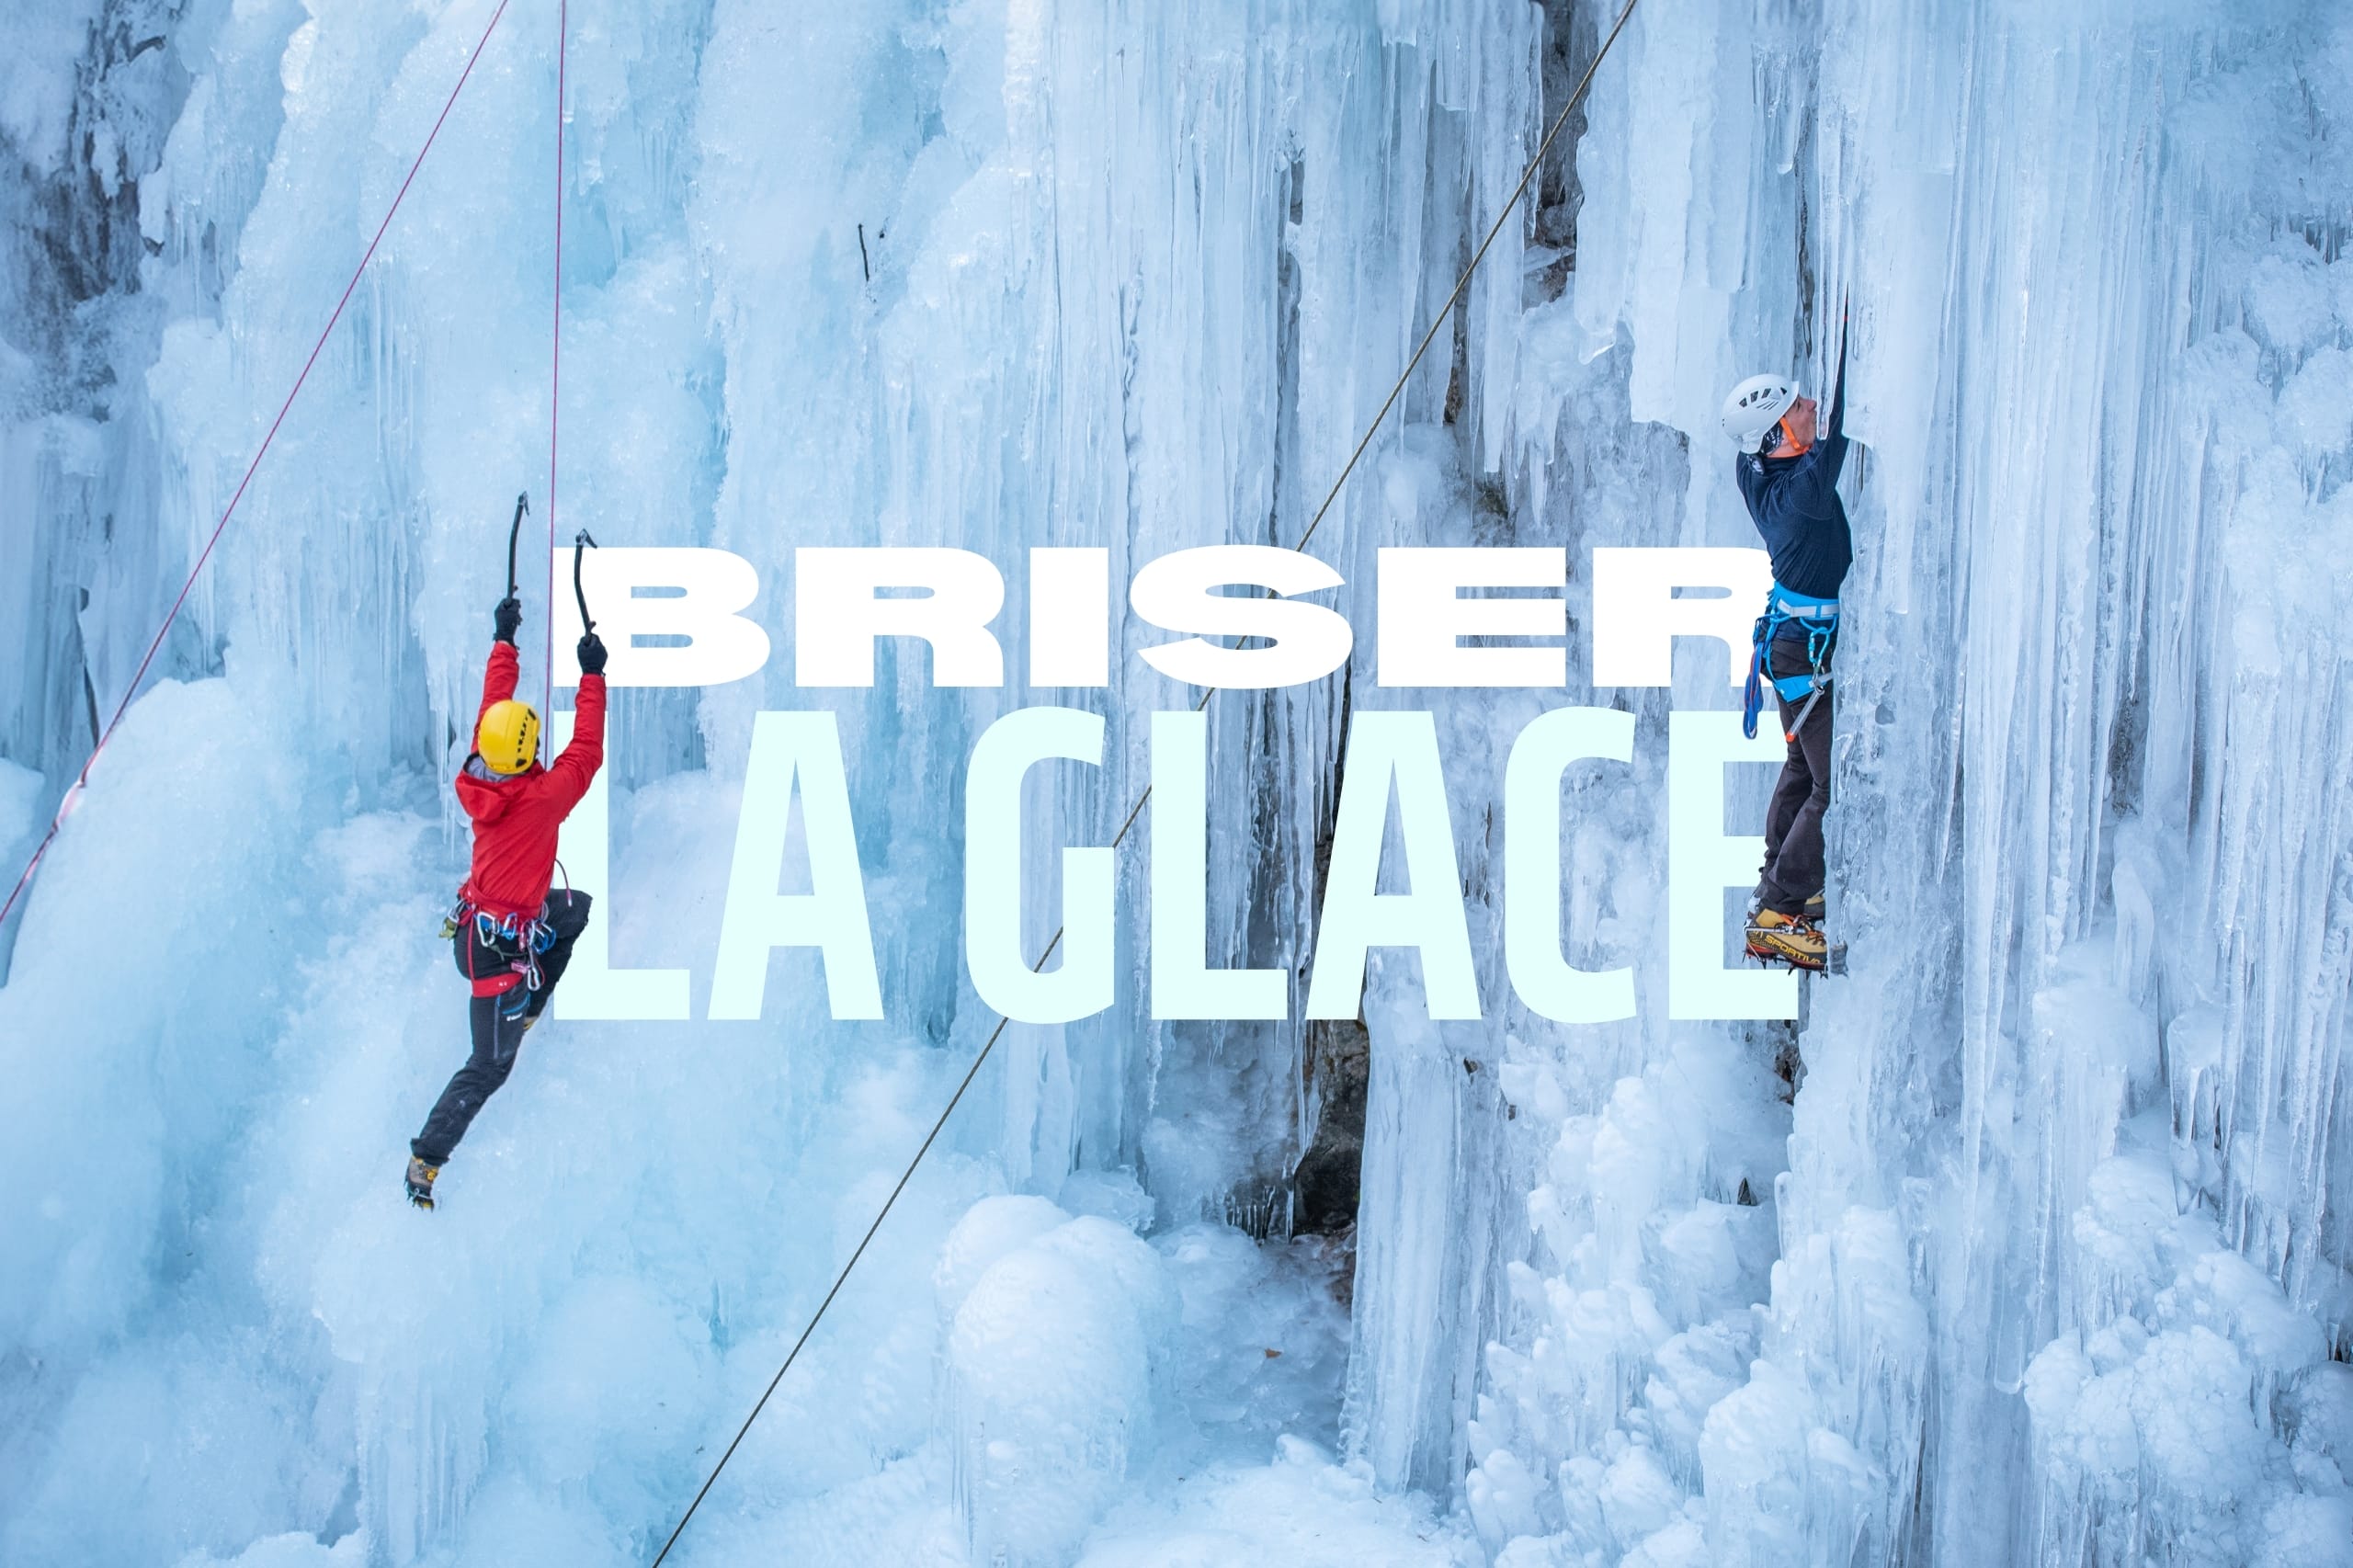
1329	1174
91	96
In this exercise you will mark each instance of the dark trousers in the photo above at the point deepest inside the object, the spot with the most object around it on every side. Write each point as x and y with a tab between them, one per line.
498	1023
1792	869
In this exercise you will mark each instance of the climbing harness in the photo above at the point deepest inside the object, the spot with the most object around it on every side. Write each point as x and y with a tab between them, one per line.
1445	312
528	938
518	940
1819	616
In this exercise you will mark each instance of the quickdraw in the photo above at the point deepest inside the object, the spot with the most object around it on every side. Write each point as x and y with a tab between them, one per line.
526	937
1820	619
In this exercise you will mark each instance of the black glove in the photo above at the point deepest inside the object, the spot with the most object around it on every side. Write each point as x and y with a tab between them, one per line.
592	654
508	619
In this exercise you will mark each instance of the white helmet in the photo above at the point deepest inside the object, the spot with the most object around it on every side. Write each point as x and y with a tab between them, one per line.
1755	407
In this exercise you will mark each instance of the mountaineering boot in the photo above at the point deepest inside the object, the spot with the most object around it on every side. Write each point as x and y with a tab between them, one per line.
1793	938
420	1182
1834	959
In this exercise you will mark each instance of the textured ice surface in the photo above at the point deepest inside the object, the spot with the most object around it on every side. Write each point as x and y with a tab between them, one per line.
1053	1350
1301	1509
2046	1263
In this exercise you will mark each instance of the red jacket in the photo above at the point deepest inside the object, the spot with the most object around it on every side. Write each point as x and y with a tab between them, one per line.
516	818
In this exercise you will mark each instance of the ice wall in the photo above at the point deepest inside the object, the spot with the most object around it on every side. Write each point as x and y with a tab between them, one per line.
2061	1261
1145	304
2042	1263
87	95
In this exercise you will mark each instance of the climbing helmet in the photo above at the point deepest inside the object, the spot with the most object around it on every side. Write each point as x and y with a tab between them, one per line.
1754	409
507	737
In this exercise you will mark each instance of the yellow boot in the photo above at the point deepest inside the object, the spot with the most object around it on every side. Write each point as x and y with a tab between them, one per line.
1791	939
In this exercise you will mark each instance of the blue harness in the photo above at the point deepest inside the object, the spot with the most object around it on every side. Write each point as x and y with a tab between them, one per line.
1820	619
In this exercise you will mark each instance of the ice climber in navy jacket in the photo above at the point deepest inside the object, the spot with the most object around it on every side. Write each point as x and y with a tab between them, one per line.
1788	475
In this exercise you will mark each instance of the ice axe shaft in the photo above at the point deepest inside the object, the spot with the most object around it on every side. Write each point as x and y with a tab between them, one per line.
514	532
1821	685
580	543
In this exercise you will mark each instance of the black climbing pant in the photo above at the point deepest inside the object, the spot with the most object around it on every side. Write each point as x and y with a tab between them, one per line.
1792	869
498	1021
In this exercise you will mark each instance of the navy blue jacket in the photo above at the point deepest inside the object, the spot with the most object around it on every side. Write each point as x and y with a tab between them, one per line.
1795	503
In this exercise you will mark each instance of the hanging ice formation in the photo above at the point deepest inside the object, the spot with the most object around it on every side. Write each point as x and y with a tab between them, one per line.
2047	1262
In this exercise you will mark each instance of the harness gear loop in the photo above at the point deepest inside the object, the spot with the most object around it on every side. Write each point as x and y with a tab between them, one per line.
520	939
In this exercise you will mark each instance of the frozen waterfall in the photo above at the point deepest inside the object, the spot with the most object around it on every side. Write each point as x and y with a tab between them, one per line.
2031	1244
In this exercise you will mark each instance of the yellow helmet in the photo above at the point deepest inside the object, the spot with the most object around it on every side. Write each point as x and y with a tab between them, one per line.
507	737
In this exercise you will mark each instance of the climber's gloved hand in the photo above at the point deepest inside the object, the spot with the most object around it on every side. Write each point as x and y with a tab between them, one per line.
592	654
508	619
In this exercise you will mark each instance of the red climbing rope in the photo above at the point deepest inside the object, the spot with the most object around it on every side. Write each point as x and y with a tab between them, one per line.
65	806
556	351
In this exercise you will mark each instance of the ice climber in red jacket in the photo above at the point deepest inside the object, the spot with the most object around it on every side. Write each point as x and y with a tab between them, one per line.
511	936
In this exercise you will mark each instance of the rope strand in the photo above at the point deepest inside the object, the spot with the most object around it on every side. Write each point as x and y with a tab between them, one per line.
65	806
555	351
1137	810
